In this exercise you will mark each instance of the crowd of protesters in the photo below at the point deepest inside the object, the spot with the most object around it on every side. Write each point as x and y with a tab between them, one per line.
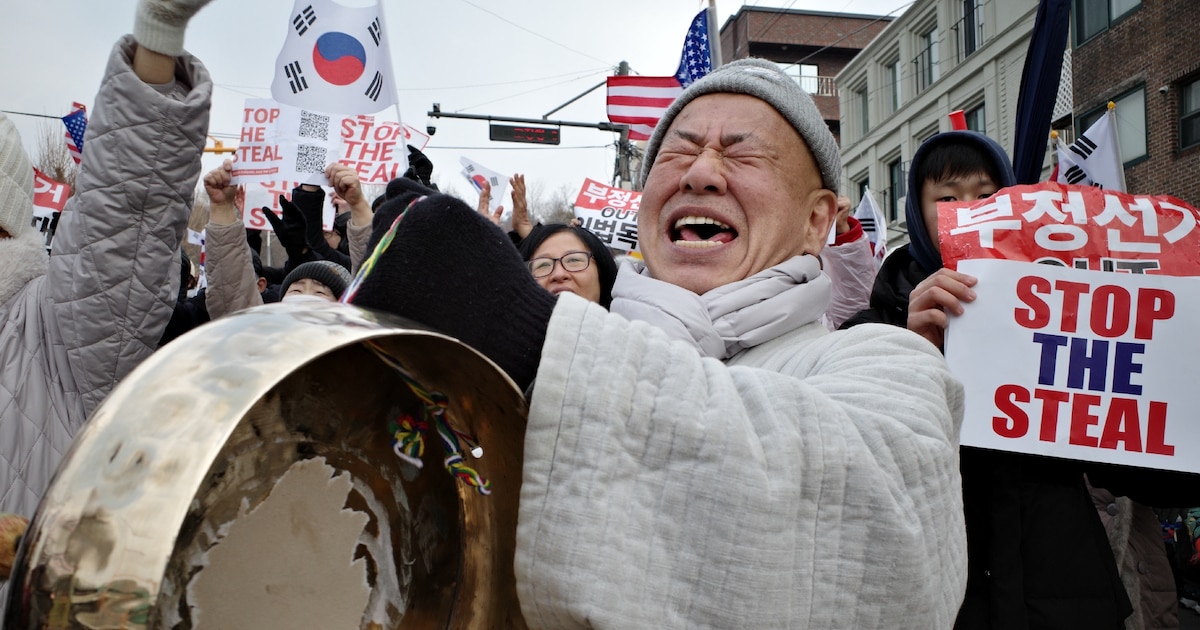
744	427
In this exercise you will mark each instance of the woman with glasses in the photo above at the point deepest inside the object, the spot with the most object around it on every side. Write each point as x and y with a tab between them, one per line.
566	258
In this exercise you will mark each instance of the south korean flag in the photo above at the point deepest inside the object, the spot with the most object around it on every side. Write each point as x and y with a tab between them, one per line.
335	59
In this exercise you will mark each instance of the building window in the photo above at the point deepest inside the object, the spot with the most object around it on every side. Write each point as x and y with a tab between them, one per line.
970	28
1131	123
1093	17
808	78
895	189
926	61
860	97
891	82
976	121
1189	114
862	185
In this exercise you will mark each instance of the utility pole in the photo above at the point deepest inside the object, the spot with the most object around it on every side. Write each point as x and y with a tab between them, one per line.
623	173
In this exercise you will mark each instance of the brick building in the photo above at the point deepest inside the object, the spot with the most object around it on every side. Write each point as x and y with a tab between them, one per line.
1141	55
813	46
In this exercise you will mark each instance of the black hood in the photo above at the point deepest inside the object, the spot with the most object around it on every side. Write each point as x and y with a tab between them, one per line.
920	245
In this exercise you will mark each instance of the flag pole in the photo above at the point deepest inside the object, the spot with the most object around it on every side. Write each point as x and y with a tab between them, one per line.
714	34
392	65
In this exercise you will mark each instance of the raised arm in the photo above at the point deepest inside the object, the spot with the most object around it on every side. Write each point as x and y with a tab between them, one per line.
113	273
232	283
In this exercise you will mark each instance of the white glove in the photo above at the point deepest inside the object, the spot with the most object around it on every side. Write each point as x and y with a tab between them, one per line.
160	24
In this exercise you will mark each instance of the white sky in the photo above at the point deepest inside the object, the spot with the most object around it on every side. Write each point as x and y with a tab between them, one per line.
518	58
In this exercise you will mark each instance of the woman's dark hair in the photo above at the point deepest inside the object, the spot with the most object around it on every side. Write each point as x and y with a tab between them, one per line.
606	265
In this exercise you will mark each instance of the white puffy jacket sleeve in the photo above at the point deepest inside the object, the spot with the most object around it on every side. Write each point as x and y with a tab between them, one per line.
114	274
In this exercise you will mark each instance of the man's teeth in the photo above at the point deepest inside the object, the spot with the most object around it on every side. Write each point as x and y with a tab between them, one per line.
698	244
685	221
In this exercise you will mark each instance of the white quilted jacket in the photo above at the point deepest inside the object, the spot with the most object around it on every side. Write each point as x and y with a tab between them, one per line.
809	482
68	336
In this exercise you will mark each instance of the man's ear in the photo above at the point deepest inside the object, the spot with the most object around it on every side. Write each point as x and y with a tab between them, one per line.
262	285
821	206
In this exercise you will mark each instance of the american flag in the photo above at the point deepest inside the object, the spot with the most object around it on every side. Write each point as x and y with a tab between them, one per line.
696	60
640	101
76	123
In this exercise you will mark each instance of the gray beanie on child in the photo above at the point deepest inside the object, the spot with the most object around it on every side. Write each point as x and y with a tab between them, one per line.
16	181
764	80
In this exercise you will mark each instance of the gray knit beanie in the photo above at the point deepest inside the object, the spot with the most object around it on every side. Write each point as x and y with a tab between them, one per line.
326	272
16	181
764	80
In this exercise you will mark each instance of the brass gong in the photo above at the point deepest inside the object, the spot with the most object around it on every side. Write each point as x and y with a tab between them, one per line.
244	477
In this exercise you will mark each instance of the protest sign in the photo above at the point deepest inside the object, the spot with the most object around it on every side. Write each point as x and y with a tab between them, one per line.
262	195
609	213
284	143
1058	358
1079	364
49	199
49	196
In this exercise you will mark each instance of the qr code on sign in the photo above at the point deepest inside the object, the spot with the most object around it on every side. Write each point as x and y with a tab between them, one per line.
314	125
310	159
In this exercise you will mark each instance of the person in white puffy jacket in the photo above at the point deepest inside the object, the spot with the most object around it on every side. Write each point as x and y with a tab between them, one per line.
75	322
708	454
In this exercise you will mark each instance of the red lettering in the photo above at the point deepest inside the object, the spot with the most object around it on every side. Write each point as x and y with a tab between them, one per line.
1121	424
1071	291
1156	430
1153	304
1111	307
1082	418
1051	400
384	173
386	132
1015	422
260	115
1038	313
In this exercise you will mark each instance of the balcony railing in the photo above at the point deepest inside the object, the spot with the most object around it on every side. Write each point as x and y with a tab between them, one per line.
816	86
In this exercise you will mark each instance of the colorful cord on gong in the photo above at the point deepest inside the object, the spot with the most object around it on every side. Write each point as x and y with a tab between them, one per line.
408	440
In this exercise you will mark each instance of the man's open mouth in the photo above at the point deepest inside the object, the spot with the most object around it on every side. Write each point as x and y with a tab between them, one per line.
701	232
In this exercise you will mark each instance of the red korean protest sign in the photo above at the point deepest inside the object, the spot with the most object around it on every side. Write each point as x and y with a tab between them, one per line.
265	195
1061	358
49	196
1075	226
283	143
609	213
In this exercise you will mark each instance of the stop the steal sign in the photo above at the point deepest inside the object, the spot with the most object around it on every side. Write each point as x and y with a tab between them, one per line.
1080	364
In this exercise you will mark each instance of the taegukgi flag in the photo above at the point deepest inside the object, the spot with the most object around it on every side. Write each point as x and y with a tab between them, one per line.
874	225
477	174
1094	159
335	59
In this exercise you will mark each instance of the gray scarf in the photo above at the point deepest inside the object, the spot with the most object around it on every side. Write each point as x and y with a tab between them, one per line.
729	318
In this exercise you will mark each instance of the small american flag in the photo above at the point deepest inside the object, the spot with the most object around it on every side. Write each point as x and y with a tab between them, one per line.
640	101
76	123
696	60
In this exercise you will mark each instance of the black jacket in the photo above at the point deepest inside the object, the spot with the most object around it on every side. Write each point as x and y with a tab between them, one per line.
1037	553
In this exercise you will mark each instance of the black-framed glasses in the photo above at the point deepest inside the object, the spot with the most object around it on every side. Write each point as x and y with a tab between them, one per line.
571	261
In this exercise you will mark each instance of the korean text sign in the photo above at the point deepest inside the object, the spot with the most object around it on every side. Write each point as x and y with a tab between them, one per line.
1067	358
1075	226
609	213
